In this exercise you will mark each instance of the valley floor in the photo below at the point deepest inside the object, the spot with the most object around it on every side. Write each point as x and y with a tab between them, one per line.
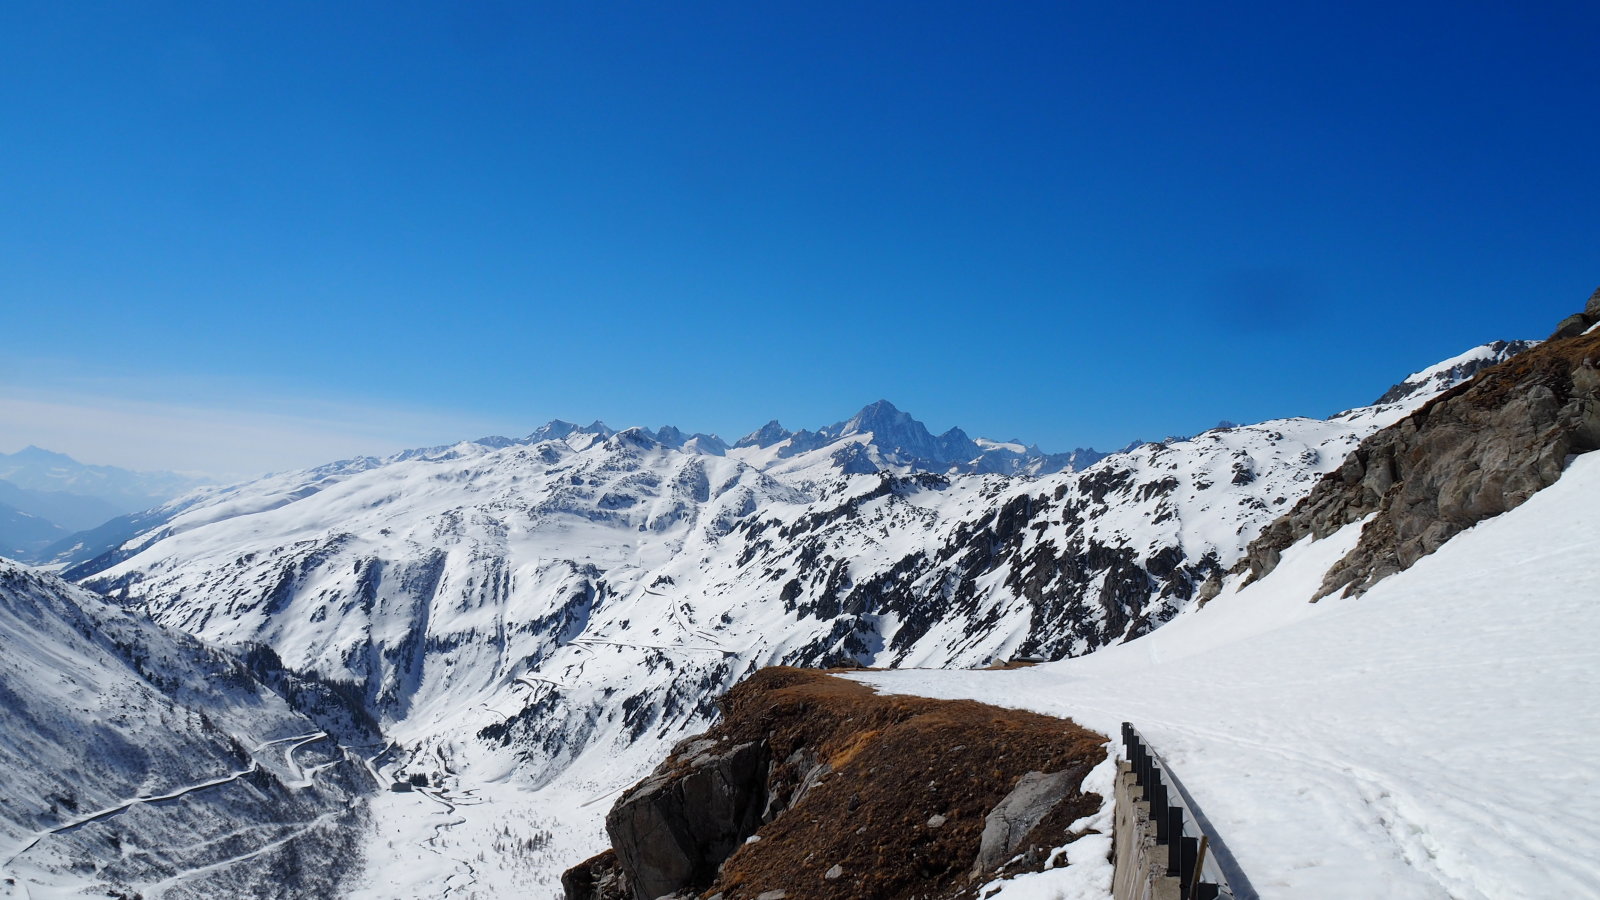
1434	738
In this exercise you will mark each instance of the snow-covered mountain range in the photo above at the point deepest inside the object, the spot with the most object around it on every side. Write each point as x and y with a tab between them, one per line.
531	619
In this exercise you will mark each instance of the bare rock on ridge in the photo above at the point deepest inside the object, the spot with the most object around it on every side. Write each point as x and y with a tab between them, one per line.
1476	451
673	830
875	797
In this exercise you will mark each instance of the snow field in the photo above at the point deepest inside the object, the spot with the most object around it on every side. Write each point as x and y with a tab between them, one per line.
1433	738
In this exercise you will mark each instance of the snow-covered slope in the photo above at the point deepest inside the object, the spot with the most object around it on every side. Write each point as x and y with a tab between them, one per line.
534	620
1442	376
138	760
1433	738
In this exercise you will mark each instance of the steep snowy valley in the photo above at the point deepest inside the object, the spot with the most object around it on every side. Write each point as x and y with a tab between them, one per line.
140	762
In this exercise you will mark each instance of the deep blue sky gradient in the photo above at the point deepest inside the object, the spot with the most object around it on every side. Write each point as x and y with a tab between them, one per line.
1071	223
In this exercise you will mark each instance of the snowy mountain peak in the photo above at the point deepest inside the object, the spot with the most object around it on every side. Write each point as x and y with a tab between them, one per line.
882	418
706	444
560	430
765	436
891	439
1455	370
901	438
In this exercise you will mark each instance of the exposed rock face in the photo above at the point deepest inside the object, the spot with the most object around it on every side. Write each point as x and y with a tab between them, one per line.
599	878
1009	823
1578	323
1572	326
672	830
866	796
1474	452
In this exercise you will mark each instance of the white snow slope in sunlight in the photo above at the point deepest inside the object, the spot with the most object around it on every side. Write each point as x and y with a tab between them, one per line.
534	622
1436	737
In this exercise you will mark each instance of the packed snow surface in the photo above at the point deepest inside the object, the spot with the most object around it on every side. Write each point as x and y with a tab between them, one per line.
1435	737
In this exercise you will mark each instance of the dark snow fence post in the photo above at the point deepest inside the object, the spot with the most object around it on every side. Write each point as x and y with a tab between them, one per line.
1164	848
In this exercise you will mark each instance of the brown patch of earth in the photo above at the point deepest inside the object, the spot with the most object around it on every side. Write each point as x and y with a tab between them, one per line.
912	779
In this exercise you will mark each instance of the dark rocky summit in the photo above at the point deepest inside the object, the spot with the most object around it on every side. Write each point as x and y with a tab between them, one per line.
815	787
1474	452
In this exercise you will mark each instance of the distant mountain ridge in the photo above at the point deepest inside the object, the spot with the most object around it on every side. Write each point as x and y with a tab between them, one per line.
878	438
36	469
892	439
47	497
903	442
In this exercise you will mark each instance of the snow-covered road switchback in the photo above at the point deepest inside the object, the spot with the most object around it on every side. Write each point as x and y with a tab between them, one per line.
129	762
98	815
1432	738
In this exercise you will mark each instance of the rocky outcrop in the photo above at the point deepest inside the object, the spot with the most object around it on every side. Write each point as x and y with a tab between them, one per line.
672	830
1474	452
1578	323
815	787
598	878
1010	822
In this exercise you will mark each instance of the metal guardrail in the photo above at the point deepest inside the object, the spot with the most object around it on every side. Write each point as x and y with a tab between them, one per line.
1196	854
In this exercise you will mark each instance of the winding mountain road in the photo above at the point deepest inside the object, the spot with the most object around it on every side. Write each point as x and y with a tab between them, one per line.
300	778
124	806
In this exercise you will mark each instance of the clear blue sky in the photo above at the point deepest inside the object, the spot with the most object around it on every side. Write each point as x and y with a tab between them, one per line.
1070	223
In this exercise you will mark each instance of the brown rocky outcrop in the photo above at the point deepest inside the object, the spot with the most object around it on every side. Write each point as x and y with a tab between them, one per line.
857	795
1474	452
